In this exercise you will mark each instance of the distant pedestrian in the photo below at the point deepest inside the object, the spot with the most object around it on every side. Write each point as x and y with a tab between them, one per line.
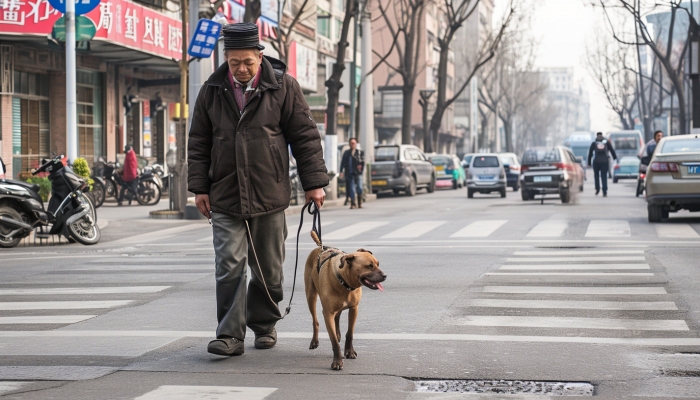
352	166
245	115
3	169
651	145
601	148
129	175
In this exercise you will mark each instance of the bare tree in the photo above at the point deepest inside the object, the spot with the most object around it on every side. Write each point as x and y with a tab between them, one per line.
534	121
285	36
668	50
455	13
333	83
404	21
611	65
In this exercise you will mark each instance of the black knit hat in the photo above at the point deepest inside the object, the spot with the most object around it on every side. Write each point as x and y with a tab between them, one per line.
243	35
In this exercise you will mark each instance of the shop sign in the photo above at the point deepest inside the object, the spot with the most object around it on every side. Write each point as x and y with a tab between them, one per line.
234	11
121	22
146	129
84	29
204	38
302	62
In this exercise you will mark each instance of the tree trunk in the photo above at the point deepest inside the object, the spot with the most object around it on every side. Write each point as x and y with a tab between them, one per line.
252	11
407	112
333	83
441	103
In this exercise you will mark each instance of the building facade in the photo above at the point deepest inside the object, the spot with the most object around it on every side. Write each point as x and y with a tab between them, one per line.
571	100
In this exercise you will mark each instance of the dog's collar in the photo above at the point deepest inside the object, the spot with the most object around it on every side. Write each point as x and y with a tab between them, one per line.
342	281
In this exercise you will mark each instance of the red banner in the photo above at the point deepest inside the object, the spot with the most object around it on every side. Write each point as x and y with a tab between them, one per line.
117	21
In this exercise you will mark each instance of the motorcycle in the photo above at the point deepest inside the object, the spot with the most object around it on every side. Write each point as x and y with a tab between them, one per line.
70	212
148	187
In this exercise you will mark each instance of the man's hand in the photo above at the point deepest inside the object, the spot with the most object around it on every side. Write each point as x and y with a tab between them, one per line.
317	195
340	175
202	203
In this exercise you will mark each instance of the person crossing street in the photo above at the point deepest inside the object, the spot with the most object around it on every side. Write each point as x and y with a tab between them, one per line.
352	166
601	148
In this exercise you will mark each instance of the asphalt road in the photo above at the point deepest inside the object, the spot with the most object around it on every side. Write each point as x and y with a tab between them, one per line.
478	289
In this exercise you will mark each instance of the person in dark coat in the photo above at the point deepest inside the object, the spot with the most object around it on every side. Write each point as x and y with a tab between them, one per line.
245	116
351	166
601	148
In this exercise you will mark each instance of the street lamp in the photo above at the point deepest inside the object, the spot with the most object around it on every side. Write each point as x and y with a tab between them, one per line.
427	139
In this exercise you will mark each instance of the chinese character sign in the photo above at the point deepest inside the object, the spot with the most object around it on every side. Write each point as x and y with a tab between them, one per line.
118	21
204	39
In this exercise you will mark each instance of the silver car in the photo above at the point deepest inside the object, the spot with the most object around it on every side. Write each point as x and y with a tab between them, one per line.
485	175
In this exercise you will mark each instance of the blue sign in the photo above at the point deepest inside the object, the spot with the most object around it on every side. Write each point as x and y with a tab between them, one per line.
204	39
82	7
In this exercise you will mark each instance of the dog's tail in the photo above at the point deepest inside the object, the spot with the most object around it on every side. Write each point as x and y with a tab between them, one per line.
314	236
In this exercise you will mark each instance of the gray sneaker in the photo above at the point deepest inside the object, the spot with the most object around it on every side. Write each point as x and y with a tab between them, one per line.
226	347
267	340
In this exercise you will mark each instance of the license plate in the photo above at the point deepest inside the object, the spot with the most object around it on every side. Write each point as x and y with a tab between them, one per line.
379	183
541	178
486	177
694	169
440	168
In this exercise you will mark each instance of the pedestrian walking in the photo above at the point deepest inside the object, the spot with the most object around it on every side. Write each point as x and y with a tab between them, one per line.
601	148
129	174
352	166
246	114
651	145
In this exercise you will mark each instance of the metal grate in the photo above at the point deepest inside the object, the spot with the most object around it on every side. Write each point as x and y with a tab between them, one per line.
506	387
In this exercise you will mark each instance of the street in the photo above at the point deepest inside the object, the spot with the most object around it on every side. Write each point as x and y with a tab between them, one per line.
477	289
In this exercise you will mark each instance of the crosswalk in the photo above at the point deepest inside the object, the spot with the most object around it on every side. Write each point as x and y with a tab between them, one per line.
549	296
511	229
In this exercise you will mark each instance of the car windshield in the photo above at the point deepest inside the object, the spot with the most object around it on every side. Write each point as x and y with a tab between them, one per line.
681	146
440	160
534	156
485	162
629	161
468	159
508	160
625	142
386	153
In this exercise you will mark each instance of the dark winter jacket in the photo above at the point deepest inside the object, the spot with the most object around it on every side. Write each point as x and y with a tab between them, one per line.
242	161
601	147
358	162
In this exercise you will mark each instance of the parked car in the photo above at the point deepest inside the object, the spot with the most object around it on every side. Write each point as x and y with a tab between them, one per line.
626	143
449	170
626	168
673	177
579	143
550	171
512	167
486	174
401	168
466	160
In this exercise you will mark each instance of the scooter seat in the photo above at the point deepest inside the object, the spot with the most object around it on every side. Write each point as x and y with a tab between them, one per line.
31	186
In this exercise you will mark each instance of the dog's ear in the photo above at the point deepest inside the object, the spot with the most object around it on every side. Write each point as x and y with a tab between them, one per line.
346	258
364	251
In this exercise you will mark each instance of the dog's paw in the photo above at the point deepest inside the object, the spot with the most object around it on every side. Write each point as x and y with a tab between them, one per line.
337	365
350	353
314	344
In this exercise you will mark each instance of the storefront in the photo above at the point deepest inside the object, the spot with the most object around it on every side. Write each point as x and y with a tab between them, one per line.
133	56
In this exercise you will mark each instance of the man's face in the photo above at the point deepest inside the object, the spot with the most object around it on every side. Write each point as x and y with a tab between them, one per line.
243	63
353	145
658	136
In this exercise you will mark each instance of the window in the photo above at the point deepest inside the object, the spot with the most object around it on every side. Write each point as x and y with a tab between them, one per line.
534	156
30	121
338	27
90	132
31	84
339	5
392	104
485	162
323	23
681	146
386	154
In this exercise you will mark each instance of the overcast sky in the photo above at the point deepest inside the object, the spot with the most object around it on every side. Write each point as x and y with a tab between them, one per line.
563	27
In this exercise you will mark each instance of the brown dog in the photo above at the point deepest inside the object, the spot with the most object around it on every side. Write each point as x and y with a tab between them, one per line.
338	278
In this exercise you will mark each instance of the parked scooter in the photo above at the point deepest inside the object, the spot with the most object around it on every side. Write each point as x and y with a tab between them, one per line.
70	212
148	184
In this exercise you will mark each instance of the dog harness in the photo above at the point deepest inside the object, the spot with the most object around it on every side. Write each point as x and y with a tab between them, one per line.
333	253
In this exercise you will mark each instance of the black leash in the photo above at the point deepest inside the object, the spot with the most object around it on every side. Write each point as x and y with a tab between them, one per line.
314	211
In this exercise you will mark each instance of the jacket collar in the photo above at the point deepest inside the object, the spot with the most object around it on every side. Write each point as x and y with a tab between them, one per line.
271	75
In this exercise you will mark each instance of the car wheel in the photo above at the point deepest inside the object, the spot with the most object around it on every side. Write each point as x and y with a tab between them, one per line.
455	185
516	188
503	193
411	189
615	180
580	188
525	195
431	185
470	194
664	213
655	213
565	195
640	188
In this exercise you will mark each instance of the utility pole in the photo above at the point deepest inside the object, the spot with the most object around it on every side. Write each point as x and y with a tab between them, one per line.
180	173
353	72
71	86
424	103
367	88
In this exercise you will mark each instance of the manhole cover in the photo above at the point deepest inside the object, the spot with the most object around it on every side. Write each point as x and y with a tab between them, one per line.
506	387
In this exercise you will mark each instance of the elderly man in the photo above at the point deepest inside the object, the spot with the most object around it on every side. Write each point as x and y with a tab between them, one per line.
245	116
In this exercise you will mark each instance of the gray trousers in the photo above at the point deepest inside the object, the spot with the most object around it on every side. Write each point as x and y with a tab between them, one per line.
234	307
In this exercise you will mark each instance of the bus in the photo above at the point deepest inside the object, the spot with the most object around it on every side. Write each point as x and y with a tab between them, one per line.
579	143
626	143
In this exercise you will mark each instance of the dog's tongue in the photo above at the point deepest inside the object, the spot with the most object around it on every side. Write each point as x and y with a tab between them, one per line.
380	287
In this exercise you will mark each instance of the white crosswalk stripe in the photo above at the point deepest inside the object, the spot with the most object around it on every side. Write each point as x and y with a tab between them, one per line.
608	228
578	290
173	392
549	228
413	230
574	266
479	229
83	290
61	305
575	323
45	319
677	231
576	259
577	252
575	305
292	230
353	230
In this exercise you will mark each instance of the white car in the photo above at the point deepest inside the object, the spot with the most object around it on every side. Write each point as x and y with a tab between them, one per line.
485	175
